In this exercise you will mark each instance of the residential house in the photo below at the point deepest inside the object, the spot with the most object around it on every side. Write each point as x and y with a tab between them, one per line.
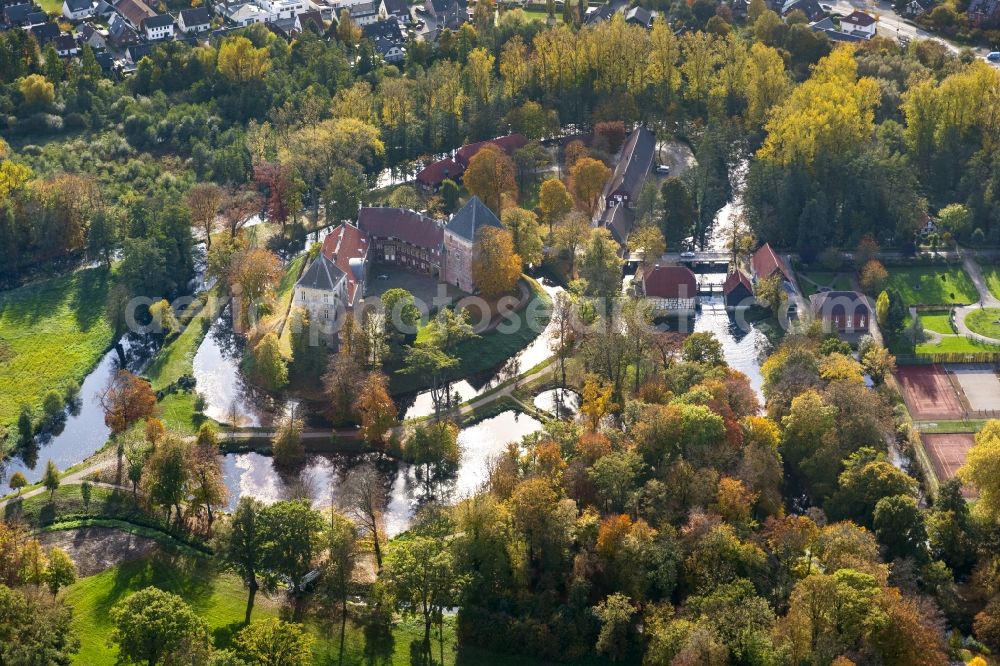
106	62
447	13
103	9
120	33
66	46
398	9
765	263
668	289
634	164
77	10
387	38
459	239
364	13
136	52
842	311
45	33
639	16
404	238
737	291
859	24
17	15
159	27
134	12
599	15
277	10
245	14
36	18
810	8
834	31
335	281
194	21
92	36
311	16
619	220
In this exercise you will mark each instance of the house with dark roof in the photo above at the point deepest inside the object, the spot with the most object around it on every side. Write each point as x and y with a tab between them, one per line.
668	289
45	33
136	52
810	8
387	37
737	291
859	23
639	16
134	12
335	281
833	31
460	236
619	220
77	10
984	13
159	27
66	46
634	164
403	238
398	9
302	21
194	21
90	35
842	311
447	13
599	15
120	33
17	15
36	18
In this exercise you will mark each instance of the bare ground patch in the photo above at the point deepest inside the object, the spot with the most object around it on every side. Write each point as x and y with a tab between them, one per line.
94	549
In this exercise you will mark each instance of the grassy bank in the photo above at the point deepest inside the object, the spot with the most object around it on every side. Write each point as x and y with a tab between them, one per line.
52	333
933	285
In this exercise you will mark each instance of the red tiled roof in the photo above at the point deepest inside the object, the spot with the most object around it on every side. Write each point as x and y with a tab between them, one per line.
344	243
670	282
735	279
434	174
508	144
765	262
407	225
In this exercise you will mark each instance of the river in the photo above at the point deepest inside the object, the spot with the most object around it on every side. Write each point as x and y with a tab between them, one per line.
323	476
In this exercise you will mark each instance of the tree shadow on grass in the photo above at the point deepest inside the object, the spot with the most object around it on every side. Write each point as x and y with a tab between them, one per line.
189	577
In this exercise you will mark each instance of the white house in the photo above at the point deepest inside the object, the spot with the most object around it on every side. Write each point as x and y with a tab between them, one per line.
859	24
194	21
244	15
335	280
364	13
277	10
159	27
77	10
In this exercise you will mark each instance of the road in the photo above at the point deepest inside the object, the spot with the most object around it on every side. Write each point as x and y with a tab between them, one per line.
892	25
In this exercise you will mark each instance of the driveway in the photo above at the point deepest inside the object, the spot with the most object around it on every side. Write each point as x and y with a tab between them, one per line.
986	299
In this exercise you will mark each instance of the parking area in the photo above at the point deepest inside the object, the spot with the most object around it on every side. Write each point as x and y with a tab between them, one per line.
980	385
929	393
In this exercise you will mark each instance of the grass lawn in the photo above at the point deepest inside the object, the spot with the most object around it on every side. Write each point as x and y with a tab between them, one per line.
836	281
933	285
938	321
283	297
992	275
542	15
38	511
178	414
947	427
482	353
51	6
220	599
954	344
985	322
51	333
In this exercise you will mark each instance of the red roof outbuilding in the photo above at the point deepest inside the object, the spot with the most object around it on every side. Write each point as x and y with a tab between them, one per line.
766	262
670	282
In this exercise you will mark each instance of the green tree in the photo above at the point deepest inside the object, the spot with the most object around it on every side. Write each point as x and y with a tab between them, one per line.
703	347
294	541
274	642
449	192
241	546
617	638
342	551
601	267
17	482
60	572
899	526
770	291
167	474
25	425
524	231
269	366
35	629
156	627
50	479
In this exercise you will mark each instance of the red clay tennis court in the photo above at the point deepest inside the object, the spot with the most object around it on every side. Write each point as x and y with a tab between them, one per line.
929	392
947	453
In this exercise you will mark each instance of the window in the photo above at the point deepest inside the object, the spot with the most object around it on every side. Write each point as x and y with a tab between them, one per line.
326	298
302	295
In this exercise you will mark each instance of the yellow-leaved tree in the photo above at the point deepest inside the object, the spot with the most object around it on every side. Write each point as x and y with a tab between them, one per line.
495	265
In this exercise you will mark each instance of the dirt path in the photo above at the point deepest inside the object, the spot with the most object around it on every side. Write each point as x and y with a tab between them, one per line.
95	549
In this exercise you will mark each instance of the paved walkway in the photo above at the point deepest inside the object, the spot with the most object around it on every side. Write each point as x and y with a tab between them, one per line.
986	299
73	478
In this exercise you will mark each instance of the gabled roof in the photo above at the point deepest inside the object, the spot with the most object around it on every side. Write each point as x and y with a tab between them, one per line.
619	220
397	7
602	13
195	16
765	262
77	5
45	33
385	29
735	279
158	21
321	274
347	246
859	19
36	18
312	15
362	9
16	14
136	11
435	173
65	44
831	303
639	15
508	144
669	282
810	8
472	217
137	52
408	226
442	6
633	167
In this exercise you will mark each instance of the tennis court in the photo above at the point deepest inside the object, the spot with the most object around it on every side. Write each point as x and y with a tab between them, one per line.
929	392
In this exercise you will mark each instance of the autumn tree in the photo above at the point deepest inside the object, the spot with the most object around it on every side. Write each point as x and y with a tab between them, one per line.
496	267
524	231
126	399
588	177
287	443
364	498
253	274
554	201
167	475
204	202
240	62
207	487
268	363
980	469
376	408
490	176
571	234
274	641
601	267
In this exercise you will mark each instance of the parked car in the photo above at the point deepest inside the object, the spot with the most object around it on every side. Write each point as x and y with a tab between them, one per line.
993	56
662	168
383	276
687	255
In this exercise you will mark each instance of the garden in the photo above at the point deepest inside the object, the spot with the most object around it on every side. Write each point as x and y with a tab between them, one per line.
985	322
933	285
